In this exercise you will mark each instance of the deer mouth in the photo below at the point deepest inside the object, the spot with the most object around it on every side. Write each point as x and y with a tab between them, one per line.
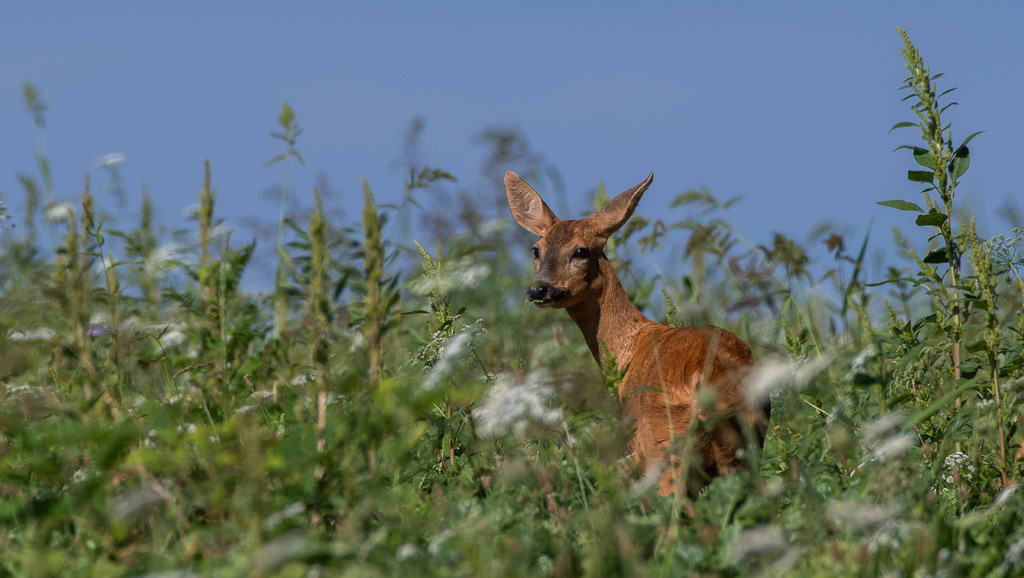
545	295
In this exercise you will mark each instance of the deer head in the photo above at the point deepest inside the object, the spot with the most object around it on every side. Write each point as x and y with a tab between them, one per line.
569	259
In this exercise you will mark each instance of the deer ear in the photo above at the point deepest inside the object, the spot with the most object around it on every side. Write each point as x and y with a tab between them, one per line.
528	209
617	211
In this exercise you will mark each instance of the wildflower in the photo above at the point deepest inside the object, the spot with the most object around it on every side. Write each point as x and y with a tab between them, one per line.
881	427
221	230
58	212
516	406
172	338
406	551
37	334
3	215
80	475
459	275
137	502
290	512
770	376
160	257
1014	556
191	211
446	361
98	330
647	481
278	552
893	447
110	161
957	464
862	358
302	380
858	515
765	539
1012	386
890	535
1004	496
435	544
188	428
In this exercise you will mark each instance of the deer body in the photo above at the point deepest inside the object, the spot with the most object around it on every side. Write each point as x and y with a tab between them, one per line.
573	273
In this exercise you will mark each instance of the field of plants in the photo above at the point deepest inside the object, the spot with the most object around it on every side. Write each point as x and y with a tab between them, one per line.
393	408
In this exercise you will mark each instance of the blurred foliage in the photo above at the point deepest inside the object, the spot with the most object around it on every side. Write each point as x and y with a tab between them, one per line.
415	419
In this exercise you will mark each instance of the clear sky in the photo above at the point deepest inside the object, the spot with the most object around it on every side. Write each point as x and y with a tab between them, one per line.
786	103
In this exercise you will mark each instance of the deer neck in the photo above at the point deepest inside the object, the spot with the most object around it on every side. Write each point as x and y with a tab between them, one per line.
610	323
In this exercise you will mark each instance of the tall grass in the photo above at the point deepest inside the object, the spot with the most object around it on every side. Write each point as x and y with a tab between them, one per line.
396	419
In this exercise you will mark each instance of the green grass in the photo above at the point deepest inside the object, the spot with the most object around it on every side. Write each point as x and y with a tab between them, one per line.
155	416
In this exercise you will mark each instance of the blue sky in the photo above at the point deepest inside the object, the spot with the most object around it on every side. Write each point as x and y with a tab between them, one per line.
788	104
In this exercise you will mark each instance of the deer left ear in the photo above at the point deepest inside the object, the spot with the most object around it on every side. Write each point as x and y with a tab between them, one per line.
617	211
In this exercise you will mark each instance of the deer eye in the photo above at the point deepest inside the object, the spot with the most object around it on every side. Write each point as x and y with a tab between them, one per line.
536	253
581	253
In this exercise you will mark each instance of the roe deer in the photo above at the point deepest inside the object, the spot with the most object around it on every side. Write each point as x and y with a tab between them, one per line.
573	273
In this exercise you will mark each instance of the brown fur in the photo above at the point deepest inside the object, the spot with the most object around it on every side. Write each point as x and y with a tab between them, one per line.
681	362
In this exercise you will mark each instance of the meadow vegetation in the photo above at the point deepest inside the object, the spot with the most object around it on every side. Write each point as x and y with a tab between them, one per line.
393	409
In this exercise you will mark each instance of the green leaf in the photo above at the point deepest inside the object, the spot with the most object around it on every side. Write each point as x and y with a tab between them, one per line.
920	176
970	138
925	158
649	388
960	162
936	257
526	306
902	125
901	205
931	219
969	368
864	379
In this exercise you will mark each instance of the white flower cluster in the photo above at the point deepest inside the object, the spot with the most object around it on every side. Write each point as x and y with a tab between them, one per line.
35	334
59	212
862	358
891	535
773	375
79	476
461	274
757	541
446	360
110	161
956	462
515	407
137	502
884	439
858	515
1014	558
290	512
441	355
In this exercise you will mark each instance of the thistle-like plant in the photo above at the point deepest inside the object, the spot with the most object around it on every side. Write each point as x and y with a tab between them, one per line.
374	314
945	164
290	131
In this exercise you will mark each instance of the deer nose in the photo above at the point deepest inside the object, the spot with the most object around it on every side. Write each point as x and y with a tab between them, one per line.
541	292
545	291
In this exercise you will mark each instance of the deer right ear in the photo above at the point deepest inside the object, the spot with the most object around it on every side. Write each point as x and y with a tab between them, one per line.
528	209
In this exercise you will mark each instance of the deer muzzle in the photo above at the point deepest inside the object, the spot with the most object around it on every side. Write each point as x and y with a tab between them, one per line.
545	294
